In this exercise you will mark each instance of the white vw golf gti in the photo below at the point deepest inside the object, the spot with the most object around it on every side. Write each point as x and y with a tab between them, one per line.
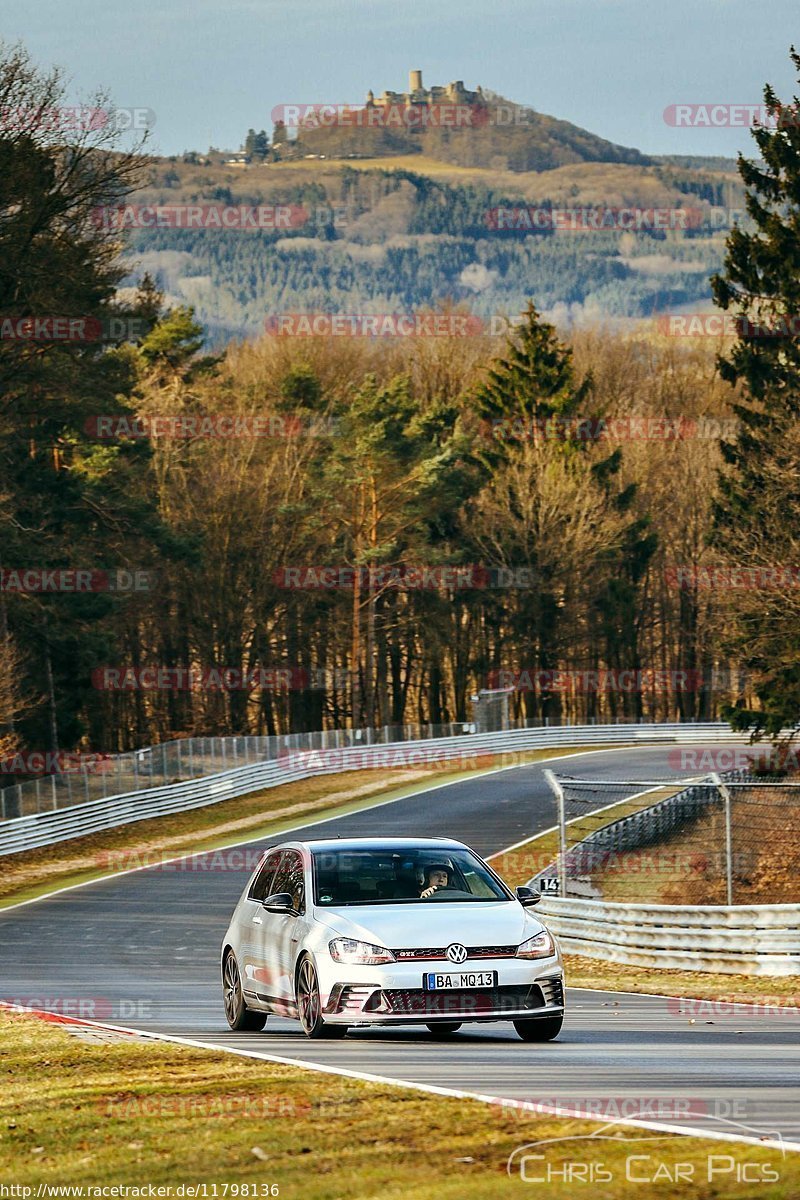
388	931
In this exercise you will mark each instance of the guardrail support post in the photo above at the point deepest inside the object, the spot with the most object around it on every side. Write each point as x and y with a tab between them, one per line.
726	799
557	789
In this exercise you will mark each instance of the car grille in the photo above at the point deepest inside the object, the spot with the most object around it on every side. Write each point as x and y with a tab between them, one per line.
416	954
414	1002
350	998
553	990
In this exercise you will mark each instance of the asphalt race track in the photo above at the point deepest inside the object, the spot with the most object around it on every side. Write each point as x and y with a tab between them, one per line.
145	948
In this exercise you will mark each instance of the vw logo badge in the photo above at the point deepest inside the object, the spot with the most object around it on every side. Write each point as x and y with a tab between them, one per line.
456	953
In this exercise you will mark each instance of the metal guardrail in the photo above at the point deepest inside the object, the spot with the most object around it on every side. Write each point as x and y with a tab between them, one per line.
758	939
45	828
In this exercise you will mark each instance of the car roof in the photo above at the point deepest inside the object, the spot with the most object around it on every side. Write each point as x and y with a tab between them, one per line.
381	843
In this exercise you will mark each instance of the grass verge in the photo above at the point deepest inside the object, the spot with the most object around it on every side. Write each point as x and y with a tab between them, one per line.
781	992
37	873
137	1113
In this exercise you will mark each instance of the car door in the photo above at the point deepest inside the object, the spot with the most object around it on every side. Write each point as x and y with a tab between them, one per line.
256	974
281	934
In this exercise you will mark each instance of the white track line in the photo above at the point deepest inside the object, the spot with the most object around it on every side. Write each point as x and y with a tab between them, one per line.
428	1088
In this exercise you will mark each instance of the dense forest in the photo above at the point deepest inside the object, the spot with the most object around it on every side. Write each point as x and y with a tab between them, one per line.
294	533
388	240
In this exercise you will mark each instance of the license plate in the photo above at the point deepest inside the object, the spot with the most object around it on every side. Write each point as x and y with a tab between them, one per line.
434	981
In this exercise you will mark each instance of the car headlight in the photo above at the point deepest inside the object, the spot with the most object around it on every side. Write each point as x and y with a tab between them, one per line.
348	950
541	945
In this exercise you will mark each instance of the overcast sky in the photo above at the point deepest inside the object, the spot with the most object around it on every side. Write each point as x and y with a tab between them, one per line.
211	68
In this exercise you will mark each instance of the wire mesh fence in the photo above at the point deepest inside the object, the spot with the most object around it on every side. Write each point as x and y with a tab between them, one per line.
724	839
97	776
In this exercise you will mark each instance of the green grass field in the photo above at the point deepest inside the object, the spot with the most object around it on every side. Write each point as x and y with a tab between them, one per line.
137	1113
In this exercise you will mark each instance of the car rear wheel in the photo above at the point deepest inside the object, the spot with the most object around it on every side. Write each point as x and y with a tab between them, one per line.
445	1028
238	1015
309	1005
539	1029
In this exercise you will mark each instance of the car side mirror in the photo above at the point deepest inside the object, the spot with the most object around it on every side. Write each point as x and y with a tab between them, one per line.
281	902
528	897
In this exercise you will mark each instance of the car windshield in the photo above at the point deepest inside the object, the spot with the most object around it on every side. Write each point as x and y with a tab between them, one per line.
417	875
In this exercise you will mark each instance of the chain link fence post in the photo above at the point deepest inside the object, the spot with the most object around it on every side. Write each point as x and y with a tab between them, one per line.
726	800
558	791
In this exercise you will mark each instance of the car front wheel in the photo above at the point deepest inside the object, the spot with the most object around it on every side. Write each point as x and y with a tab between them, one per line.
238	1015
309	1005
539	1029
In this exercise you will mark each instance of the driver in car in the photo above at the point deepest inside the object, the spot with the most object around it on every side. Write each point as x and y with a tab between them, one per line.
436	876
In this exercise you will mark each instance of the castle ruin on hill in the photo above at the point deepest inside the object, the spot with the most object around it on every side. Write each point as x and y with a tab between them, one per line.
418	96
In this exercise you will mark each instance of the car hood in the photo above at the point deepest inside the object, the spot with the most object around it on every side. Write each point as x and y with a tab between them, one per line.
407	926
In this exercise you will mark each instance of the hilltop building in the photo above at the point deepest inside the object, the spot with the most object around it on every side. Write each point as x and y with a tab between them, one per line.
422	97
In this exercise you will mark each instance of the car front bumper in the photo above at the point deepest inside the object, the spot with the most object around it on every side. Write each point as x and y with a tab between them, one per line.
394	994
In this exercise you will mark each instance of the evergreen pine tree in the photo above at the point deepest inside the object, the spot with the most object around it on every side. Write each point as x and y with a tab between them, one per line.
757	515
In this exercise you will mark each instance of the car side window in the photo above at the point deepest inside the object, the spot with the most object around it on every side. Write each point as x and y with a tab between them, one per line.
290	878
261	887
